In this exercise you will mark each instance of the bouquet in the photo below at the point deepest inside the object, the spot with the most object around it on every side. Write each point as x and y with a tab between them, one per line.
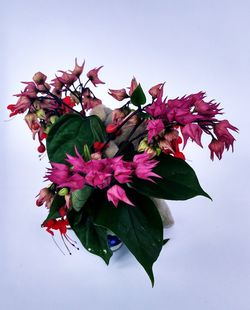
110	168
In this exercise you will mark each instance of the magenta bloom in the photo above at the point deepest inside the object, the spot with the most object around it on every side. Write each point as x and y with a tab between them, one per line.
216	147
158	108
154	127
73	182
222	133
93	76
77	162
59	173
116	193
99	179
122	171
143	166
192	131
208	109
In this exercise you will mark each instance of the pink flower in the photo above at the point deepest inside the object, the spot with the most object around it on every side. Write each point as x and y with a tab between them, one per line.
93	76
192	131
57	83
77	162
33	123
116	194
156	90
21	106
133	86
170	144
216	147
208	109
185	116
97	178
158	108
118	94
30	90
222	133
78	69
73	182
143	166
59	173
45	196
67	78
91	102
122	171
179	110
154	127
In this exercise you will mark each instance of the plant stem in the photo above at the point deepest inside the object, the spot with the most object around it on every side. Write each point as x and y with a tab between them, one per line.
60	101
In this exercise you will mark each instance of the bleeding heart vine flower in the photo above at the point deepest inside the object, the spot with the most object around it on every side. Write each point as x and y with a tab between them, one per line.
109	167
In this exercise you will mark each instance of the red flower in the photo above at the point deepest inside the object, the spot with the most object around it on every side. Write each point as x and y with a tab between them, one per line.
68	100
54	224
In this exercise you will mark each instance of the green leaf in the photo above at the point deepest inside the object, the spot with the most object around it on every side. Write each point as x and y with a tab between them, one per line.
138	97
179	181
57	203
165	241
80	197
92	237
72	131
139	227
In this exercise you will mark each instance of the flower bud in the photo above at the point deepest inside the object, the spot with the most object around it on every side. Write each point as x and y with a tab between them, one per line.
155	90
40	114
63	191
216	147
96	156
143	145
53	119
41	148
150	151
39	78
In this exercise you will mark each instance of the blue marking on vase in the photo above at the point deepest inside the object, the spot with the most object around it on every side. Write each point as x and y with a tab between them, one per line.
114	242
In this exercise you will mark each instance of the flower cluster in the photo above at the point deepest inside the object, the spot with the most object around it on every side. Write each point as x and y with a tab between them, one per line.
101	173
108	166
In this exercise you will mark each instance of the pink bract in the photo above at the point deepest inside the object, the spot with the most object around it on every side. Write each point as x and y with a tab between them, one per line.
116	194
93	76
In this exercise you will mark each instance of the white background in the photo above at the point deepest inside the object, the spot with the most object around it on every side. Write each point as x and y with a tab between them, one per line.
193	46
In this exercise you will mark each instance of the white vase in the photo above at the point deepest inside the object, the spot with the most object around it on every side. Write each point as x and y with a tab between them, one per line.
165	213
